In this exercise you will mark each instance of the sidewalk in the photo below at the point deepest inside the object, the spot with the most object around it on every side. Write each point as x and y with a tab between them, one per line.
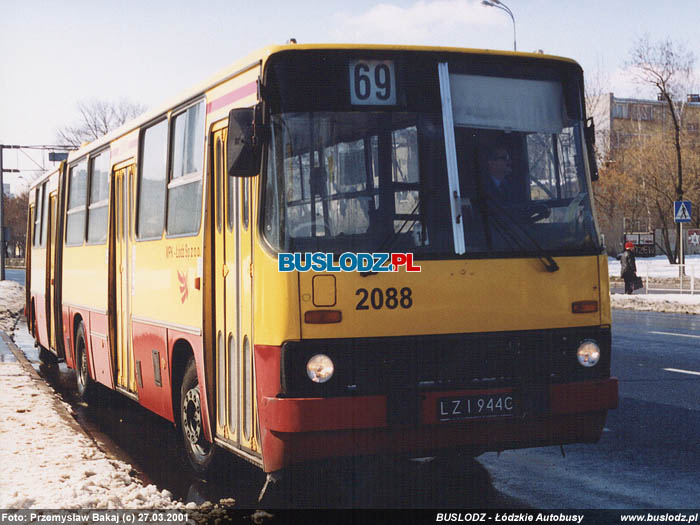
47	459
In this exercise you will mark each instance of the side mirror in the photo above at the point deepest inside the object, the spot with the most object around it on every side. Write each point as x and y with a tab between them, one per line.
242	146
589	134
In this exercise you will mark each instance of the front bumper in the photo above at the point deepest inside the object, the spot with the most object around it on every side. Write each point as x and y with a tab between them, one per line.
286	415
302	429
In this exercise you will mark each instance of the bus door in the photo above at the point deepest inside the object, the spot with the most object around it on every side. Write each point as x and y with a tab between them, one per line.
233	299
51	272
227	296
243	213
123	184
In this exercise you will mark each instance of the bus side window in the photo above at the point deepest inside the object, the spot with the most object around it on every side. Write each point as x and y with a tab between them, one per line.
151	188
44	215
37	217
99	198
77	195
186	164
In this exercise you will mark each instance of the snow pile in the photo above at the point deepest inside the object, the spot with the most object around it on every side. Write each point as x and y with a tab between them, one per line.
48	463
669	303
11	304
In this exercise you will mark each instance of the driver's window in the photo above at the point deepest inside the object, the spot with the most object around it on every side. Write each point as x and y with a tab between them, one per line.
348	207
552	166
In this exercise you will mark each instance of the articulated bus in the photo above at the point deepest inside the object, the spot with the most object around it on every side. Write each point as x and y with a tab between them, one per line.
189	260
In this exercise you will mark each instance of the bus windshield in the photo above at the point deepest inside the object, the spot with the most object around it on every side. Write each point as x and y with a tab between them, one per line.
502	167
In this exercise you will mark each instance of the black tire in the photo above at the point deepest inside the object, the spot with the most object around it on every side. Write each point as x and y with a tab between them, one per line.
47	356
86	386
199	452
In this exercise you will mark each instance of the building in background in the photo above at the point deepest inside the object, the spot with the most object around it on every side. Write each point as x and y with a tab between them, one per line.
621	120
625	123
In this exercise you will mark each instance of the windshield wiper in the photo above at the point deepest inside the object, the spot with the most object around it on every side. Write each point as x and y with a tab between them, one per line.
549	263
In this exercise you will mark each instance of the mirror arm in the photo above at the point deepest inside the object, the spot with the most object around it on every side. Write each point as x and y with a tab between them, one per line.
589	135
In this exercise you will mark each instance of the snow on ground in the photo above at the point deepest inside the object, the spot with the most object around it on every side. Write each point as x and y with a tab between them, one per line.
48	462
669	303
661	275
11	304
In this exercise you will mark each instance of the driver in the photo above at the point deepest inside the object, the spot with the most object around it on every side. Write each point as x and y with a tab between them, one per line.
498	180
505	190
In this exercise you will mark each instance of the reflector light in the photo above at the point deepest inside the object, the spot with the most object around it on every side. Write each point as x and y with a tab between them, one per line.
322	316
584	307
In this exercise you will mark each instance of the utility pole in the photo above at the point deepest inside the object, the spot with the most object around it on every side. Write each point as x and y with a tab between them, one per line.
57	158
2	220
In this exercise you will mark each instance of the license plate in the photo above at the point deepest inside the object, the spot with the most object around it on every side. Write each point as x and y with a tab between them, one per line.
484	405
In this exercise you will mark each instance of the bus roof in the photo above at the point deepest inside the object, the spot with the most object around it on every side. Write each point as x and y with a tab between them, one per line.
260	56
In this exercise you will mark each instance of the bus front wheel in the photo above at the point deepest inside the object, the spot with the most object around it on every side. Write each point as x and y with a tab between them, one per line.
200	453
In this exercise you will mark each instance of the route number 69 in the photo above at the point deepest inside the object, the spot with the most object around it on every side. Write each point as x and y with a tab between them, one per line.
372	83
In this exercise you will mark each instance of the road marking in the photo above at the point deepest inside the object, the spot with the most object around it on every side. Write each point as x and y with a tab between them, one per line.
682	371
679	335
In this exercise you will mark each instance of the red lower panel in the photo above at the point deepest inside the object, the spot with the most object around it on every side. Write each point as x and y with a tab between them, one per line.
153	351
75	315
68	335
584	397
151	356
282	449
100	354
42	330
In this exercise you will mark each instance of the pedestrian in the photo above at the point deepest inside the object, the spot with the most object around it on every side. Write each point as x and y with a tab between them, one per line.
628	267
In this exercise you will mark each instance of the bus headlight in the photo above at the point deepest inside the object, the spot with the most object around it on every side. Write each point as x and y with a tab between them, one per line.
588	353
320	368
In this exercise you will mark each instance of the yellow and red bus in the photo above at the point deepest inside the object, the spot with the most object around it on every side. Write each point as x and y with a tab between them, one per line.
157	255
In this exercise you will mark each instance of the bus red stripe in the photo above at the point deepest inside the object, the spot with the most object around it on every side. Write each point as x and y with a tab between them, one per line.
233	96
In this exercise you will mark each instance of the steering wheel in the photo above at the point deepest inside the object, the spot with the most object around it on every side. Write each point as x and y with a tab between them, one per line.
534	212
299	229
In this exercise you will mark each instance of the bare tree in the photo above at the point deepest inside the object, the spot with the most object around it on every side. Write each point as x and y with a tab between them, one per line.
16	220
668	67
97	118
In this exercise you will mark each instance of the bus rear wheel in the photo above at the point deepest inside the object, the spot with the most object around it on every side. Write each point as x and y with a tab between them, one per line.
86	385
200	453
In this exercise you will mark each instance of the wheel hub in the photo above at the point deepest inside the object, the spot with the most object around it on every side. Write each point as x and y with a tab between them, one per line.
192	416
83	368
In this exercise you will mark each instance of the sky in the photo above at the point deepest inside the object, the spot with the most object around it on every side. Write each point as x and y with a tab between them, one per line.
55	53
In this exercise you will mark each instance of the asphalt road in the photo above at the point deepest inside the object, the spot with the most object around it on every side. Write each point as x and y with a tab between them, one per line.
648	456
12	274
